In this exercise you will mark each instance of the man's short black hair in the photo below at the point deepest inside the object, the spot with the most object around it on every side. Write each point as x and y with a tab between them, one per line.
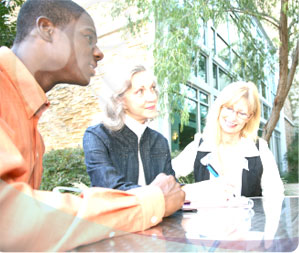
60	12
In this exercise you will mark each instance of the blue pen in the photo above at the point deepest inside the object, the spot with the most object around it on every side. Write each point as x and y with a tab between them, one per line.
212	171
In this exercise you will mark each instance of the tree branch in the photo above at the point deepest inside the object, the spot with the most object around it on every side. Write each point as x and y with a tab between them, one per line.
294	65
294	21
264	16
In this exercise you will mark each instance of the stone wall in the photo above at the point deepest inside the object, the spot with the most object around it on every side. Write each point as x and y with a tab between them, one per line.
74	108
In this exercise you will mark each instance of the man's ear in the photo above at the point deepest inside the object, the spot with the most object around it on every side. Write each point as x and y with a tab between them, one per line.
45	28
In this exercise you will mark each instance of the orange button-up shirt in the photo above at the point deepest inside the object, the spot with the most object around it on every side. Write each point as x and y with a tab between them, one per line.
34	220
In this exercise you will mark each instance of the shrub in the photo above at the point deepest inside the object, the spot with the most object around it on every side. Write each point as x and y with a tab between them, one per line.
292	157
189	179
63	167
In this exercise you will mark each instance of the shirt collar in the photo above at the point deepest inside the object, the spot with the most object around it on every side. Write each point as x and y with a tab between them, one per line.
34	97
135	126
247	146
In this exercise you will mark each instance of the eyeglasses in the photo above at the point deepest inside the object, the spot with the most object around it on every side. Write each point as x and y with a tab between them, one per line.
240	115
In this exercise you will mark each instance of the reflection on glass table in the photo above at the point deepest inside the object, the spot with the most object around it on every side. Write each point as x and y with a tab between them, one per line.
271	225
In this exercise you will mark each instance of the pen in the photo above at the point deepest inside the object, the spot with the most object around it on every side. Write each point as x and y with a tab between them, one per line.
212	170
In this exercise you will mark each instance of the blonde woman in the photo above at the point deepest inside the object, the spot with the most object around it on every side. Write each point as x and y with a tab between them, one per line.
123	152
229	149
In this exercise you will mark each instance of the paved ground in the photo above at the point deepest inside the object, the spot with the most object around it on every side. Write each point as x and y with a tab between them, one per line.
291	189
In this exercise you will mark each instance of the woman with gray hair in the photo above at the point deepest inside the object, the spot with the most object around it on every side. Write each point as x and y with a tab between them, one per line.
122	152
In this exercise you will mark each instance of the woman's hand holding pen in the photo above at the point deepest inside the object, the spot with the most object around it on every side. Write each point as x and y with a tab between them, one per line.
229	189
216	192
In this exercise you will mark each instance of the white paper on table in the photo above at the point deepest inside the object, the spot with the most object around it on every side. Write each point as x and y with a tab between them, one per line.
211	194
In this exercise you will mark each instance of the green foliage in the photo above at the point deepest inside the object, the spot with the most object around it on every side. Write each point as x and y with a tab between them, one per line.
63	167
292	157
189	179
7	22
178	32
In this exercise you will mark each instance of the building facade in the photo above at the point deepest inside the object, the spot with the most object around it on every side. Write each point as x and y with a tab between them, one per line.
75	108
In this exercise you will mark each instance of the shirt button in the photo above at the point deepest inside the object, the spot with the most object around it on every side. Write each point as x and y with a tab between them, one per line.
154	219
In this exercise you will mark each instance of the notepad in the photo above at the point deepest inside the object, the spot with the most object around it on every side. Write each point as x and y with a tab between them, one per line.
237	202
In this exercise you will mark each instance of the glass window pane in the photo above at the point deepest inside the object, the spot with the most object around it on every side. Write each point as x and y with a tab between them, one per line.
272	97
180	139
260	131
215	79
265	112
192	109
224	79
204	98
186	136
272	82
277	147
202	68
212	39
222	30
264	89
203	116
194	66
235	57
222	50
233	35
189	91
202	27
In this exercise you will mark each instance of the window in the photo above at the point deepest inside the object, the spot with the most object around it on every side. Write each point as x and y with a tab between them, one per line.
224	79
234	58
234	39
204	107
260	131
202	68
212	40
220	78
215	79
265	112
263	89
198	105
272	87
277	149
180	139
222	30
203	27
222	50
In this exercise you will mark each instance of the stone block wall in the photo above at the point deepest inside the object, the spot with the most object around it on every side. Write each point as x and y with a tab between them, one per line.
74	108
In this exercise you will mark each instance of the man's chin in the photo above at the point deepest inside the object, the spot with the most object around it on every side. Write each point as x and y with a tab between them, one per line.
83	82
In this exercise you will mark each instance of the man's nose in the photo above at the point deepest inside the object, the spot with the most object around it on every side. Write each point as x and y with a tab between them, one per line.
98	54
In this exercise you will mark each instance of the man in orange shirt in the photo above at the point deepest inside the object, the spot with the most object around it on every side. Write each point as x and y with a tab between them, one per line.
56	43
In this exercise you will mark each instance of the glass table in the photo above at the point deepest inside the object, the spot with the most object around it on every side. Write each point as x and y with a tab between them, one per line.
271	225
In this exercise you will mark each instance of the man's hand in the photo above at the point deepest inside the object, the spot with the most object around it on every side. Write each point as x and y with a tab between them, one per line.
174	196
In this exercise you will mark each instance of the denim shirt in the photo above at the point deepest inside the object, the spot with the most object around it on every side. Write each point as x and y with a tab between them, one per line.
111	157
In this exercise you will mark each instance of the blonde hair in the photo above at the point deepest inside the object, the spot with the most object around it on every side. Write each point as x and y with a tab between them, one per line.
230	95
